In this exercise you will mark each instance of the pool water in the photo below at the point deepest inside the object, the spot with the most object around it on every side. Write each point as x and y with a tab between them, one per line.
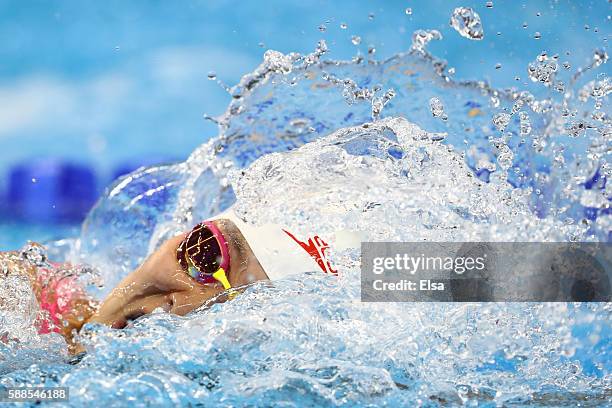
397	148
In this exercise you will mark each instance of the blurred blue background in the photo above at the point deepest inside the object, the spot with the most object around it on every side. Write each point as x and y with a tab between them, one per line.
90	90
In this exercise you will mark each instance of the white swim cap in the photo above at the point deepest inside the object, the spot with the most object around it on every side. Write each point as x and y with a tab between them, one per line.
280	252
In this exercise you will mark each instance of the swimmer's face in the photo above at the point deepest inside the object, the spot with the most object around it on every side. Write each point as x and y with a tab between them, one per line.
160	282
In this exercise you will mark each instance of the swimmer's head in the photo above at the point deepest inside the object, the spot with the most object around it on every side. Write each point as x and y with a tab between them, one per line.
162	283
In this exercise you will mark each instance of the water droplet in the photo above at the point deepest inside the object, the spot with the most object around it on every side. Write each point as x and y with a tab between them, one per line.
498	66
525	123
600	57
408	11
542	70
542	57
35	254
437	109
322	28
212	75
467	23
560	86
501	120
504	157
489	4
371	16
343	26
356	40
576	129
537	35
517	106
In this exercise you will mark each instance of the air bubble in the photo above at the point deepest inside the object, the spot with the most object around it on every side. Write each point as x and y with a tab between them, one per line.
212	75
356	40
408	11
322	28
371	16
343	26
525	24
489	4
498	66
537	35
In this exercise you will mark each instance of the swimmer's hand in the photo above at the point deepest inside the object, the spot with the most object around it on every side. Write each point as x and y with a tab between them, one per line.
159	282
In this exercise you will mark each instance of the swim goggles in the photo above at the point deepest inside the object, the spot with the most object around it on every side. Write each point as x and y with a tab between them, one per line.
204	254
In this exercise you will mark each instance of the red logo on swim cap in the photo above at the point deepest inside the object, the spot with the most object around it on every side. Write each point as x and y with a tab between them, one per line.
316	248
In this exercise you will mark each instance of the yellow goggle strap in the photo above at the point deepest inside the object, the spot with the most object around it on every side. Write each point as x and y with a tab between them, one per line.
221	277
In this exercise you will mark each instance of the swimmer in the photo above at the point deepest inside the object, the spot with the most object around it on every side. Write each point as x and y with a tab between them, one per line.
64	304
216	256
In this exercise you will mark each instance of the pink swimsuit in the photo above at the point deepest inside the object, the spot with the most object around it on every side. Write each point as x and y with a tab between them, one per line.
56	297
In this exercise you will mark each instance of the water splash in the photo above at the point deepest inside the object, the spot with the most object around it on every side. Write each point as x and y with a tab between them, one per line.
543	70
501	120
306	142
420	39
